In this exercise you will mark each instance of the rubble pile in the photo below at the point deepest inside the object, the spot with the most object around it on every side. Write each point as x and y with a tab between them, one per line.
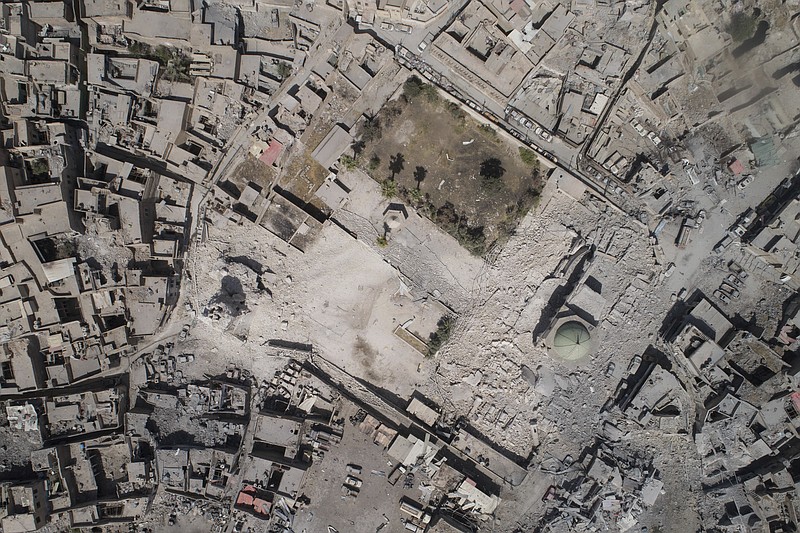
224	306
603	489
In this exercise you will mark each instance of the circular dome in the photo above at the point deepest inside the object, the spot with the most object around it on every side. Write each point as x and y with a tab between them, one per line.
572	340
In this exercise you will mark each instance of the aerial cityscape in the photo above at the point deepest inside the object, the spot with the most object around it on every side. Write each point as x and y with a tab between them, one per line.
361	266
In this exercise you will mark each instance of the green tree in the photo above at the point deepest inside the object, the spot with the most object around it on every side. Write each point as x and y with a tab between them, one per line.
374	162
389	188
492	172
284	70
416	197
371	129
414	87
348	162
528	157
444	329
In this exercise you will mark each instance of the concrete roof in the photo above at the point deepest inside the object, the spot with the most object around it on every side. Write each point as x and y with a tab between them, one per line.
54	72
332	146
422	412
357	76
278	431
59	269
709	314
30	197
558	22
154	24
104	8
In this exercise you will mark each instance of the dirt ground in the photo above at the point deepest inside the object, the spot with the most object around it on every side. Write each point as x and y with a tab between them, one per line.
377	502
338	296
436	141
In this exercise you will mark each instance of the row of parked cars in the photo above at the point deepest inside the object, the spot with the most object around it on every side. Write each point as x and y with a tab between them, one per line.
352	485
736	231
514	116
731	285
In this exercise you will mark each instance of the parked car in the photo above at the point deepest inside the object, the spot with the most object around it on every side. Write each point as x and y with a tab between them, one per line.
353	482
721	296
635	362
610	369
353	469
734	280
729	289
424	44
737	269
745	182
655	139
349	492
544	134
701	216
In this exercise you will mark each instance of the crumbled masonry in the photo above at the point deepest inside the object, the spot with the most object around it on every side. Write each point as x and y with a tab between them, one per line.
427	266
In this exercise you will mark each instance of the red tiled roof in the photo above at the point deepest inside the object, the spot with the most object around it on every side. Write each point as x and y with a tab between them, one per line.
736	167
271	154
261	506
244	499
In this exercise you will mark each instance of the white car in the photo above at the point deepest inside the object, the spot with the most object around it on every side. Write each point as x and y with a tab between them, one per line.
701	216
546	136
353	482
538	131
734	280
655	139
745	182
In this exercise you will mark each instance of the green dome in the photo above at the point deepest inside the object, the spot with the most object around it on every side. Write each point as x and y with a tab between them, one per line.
572	340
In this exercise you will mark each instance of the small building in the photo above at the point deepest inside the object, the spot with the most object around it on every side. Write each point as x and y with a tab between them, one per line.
25	505
422	412
271	154
332	146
